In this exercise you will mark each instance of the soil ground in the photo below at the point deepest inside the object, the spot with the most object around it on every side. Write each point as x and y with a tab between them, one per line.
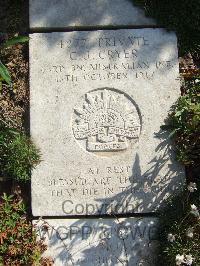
14	102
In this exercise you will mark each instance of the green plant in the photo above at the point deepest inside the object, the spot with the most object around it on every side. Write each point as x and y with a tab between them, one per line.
18	155
184	123
4	73
18	243
180	234
180	231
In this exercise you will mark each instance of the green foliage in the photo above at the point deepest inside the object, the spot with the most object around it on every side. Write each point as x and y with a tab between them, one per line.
4	73
183	16
18	245
181	220
18	155
183	223
15	40
184	123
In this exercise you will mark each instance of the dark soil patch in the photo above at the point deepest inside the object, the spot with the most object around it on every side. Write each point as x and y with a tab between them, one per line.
14	100
181	16
14	16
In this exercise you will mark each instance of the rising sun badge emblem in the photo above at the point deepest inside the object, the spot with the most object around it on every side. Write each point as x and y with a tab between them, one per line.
106	120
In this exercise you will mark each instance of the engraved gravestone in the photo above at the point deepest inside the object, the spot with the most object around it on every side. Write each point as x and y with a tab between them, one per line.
98	99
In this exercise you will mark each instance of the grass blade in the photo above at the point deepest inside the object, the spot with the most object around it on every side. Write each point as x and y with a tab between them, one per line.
16	40
4	73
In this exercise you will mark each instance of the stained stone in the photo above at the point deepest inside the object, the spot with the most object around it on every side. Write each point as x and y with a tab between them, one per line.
89	242
73	13
97	101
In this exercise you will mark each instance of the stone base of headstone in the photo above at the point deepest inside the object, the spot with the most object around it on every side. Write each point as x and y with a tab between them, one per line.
111	241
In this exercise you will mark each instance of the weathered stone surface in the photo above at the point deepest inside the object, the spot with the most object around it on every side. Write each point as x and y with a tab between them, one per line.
97	102
89	242
72	13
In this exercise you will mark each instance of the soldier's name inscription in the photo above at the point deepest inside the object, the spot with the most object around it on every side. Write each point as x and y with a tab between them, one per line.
112	59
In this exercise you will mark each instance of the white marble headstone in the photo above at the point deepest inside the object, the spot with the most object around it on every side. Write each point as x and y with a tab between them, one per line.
98	99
